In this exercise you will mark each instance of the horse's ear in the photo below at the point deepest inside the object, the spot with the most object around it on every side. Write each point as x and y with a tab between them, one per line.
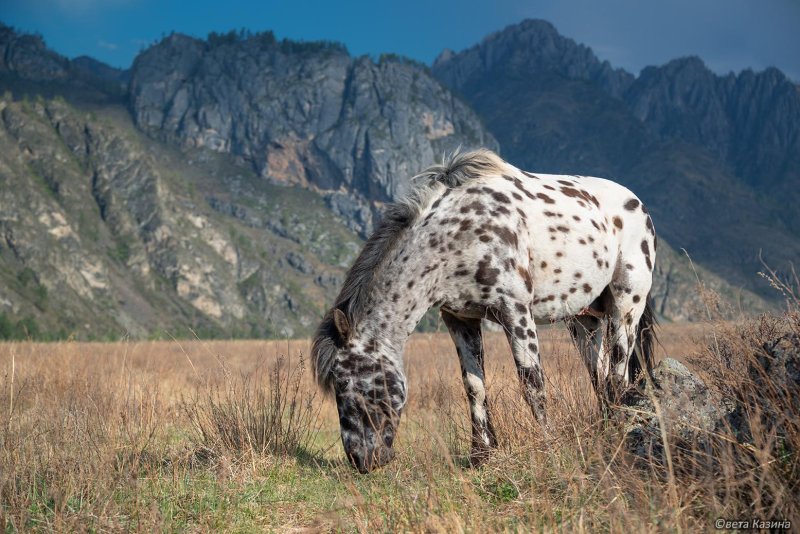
341	323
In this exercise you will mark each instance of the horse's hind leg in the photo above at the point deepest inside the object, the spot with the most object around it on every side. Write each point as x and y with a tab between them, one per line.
520	329
587	334
629	298
466	334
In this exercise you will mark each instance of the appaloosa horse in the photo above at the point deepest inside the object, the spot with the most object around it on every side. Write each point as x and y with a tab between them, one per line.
483	239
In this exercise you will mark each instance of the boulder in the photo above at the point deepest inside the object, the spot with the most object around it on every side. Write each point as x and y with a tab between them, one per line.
688	409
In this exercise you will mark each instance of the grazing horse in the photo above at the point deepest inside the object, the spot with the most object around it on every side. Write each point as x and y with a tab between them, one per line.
482	239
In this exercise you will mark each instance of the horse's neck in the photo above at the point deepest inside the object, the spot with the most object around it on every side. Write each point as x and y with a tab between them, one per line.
397	304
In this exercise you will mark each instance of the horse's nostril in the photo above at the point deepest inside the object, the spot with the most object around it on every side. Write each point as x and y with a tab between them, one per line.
357	460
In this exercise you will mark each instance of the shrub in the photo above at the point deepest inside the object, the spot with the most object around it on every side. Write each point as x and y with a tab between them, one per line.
243	416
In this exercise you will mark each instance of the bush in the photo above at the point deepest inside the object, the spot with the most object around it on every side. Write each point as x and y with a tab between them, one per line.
241	416
25	328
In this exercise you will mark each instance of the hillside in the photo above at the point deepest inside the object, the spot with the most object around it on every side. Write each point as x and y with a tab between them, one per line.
715	158
106	233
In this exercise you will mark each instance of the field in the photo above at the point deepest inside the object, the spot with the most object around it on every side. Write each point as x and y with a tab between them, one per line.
200	436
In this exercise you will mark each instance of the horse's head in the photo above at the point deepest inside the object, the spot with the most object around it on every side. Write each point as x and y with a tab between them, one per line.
370	391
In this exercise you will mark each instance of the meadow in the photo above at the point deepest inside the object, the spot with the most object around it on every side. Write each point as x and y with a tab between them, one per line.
233	436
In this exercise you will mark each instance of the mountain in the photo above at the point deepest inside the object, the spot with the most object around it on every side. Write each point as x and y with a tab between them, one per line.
750	121
715	158
28	66
222	185
111	226
303	114
106	233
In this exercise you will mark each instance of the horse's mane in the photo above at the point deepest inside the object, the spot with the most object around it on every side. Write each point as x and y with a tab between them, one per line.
454	171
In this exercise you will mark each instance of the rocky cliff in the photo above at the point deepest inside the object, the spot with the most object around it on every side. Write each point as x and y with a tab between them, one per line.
750	121
304	114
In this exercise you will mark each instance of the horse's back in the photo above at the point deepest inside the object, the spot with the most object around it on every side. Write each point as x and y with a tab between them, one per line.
555	240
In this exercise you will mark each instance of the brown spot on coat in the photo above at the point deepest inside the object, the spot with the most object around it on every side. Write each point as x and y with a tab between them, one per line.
526	277
475	205
518	185
618	222
646	251
505	235
500	197
631	204
486	274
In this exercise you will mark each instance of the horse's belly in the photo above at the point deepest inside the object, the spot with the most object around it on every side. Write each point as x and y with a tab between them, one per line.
565	294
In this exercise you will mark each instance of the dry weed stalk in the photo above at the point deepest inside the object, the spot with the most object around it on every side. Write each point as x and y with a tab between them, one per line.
256	413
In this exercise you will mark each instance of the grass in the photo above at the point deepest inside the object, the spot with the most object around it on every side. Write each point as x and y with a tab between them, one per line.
230	435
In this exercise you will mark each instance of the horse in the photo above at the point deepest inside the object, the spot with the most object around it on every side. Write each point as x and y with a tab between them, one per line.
483	239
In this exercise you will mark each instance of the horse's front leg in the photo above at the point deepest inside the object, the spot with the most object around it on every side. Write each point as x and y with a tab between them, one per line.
466	334
520	329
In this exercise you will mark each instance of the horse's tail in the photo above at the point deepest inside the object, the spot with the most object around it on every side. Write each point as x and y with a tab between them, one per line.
644	347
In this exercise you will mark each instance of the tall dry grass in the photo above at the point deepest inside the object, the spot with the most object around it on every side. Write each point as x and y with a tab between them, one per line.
266	411
232	436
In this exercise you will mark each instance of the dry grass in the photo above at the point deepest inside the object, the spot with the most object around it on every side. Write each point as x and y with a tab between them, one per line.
230	436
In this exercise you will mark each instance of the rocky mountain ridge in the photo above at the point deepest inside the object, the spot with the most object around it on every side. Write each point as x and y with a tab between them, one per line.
716	158
303	114
220	189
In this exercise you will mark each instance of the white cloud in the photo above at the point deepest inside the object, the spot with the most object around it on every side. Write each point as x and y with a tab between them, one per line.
106	45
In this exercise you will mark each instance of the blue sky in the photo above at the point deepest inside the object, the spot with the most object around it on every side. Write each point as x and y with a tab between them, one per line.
727	34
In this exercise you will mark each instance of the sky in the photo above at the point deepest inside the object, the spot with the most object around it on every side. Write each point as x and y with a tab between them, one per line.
729	35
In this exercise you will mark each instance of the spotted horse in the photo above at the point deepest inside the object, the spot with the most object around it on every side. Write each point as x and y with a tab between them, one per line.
485	240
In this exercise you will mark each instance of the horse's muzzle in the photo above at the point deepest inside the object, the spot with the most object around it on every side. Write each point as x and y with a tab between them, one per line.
372	460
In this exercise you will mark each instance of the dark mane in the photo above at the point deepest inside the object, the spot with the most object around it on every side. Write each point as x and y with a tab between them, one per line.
398	217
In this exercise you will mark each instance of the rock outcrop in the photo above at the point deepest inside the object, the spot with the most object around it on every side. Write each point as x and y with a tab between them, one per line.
689	411
27	65
526	50
750	120
303	114
697	417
